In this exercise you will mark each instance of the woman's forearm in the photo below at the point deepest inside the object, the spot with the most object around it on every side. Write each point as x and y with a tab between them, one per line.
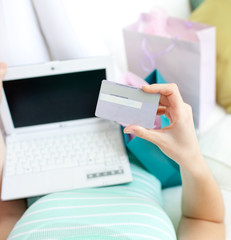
201	197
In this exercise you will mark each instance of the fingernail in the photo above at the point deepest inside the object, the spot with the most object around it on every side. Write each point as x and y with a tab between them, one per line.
129	131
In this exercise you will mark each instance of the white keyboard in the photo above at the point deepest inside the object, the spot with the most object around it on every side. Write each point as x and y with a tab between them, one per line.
65	151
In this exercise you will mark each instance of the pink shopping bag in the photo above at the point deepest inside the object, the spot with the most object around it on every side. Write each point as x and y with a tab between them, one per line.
182	51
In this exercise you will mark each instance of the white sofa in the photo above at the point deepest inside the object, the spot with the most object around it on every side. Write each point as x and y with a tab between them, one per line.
103	21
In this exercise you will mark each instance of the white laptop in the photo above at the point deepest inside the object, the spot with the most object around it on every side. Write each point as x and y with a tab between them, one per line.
54	142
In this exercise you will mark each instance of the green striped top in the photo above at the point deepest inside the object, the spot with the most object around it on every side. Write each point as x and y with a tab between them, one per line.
129	211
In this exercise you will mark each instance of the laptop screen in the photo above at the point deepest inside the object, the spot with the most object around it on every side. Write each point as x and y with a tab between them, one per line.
54	98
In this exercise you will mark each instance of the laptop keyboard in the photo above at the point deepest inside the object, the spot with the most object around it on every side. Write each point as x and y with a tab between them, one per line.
65	151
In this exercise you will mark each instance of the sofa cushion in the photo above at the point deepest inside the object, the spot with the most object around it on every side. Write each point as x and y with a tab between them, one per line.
108	18
195	3
215	143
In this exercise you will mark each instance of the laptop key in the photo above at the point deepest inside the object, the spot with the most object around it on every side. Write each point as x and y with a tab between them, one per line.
65	151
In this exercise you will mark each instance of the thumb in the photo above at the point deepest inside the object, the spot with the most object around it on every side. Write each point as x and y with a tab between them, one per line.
147	134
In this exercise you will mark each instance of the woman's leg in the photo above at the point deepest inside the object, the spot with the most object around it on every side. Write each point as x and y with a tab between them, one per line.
10	211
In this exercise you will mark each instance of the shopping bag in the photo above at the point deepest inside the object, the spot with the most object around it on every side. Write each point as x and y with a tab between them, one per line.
182	51
149	155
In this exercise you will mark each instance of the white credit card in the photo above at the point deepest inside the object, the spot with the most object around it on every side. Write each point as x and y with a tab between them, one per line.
126	104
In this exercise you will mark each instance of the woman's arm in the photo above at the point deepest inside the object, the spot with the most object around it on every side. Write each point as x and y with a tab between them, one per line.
202	206
10	211
202	203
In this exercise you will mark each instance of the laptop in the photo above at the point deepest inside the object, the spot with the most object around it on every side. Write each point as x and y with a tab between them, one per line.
54	142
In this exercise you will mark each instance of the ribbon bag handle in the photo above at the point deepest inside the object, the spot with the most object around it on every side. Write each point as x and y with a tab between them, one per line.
148	62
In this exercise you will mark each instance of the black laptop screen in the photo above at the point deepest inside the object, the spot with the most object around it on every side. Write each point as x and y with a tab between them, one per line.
55	98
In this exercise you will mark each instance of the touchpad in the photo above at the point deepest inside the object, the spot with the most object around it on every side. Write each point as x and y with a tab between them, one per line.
60	180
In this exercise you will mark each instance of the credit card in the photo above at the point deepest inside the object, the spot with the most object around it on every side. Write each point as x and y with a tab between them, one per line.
127	105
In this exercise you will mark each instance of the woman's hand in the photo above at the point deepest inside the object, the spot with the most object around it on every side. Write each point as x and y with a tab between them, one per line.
3	68
10	211
178	140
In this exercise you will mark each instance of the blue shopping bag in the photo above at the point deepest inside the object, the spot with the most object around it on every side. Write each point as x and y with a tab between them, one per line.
149	155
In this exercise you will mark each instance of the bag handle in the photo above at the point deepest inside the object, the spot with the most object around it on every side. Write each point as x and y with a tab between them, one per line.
152	58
